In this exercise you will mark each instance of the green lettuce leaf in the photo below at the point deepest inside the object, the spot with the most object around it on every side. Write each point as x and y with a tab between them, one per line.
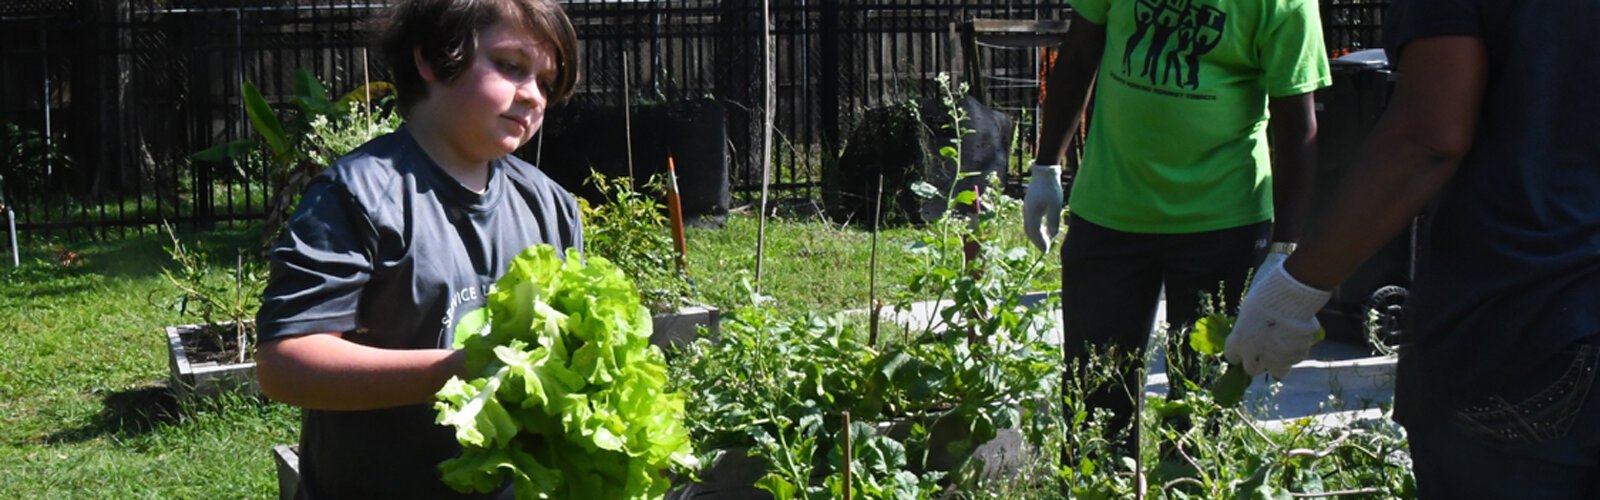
570	398
475	412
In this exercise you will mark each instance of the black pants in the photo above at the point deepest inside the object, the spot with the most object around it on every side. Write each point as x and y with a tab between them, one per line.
1110	283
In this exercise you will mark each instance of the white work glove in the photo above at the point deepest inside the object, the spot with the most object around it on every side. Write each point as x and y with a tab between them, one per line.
1273	259
1277	322
1041	206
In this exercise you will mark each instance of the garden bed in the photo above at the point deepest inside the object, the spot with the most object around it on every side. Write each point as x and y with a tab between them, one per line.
201	367
734	472
287	457
677	329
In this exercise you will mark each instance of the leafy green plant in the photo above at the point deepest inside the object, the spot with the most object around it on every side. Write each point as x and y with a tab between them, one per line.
781	386
983	349
778	387
1194	447
919	408
964	258
332	136
1208	443
225	304
568	398
1208	338
302	142
1226	453
630	231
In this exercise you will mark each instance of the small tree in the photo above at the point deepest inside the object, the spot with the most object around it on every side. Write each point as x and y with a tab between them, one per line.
224	304
300	143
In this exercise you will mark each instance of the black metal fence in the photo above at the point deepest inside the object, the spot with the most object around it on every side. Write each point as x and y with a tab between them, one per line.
1352	25
125	91
109	98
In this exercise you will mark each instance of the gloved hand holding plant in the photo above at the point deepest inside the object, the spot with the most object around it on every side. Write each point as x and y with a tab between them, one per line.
1041	206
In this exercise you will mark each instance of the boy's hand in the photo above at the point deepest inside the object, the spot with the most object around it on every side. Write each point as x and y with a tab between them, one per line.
1041	206
1277	322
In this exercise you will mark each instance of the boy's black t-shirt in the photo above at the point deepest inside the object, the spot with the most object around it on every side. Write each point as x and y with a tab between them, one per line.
391	251
1513	270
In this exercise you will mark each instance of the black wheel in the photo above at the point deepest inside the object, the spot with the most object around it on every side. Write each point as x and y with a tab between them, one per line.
1387	309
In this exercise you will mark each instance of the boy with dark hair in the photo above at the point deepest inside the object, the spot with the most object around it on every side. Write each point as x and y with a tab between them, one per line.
397	241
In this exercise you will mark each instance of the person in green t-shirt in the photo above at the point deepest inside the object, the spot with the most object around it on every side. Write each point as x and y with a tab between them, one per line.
1178	189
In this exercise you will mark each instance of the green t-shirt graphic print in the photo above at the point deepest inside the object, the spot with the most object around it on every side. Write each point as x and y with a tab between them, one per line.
1178	136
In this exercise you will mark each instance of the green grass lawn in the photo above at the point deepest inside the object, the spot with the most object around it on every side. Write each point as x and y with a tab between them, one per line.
83	397
83	364
813	266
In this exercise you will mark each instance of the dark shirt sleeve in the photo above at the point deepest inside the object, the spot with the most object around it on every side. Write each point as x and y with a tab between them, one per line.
575	223
1409	20
319	266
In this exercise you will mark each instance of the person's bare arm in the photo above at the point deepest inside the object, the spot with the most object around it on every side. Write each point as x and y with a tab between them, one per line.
327	372
1412	152
1294	162
1067	87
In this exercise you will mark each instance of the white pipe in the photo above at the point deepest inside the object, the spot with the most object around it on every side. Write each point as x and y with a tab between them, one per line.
11	225
44	61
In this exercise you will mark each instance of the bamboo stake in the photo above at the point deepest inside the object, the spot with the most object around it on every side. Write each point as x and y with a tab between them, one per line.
366	89
627	118
766	135
848	456
44	65
239	340
872	273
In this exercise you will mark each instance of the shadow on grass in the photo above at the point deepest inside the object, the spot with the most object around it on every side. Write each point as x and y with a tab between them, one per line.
38	281
126	413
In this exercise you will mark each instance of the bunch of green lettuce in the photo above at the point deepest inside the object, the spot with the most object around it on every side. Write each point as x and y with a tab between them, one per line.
569	399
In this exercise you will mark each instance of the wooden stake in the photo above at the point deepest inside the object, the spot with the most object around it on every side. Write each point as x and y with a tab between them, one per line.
766	136
872	273
849	455
238	298
366	90
627	119
675	217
